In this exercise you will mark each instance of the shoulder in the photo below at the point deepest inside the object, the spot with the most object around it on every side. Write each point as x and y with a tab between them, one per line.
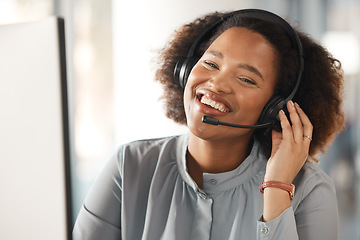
311	176
150	146
148	151
313	183
315	204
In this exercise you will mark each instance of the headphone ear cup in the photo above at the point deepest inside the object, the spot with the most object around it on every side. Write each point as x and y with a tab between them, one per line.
271	110
182	70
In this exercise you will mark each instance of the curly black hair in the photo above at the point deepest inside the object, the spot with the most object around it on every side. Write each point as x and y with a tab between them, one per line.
320	91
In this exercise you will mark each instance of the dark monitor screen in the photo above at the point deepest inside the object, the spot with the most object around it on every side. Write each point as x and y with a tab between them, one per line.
35	192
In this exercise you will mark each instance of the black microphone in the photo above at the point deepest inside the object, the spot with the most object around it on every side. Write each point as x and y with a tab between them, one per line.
214	121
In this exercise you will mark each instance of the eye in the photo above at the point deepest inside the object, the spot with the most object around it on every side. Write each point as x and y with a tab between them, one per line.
247	81
210	65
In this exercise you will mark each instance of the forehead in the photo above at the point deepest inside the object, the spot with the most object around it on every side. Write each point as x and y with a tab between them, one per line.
247	47
243	37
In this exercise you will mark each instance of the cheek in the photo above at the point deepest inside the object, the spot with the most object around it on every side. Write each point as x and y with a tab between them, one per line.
187	96
254	103
258	106
195	79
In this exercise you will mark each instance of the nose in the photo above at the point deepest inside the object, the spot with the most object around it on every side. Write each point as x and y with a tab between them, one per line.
220	83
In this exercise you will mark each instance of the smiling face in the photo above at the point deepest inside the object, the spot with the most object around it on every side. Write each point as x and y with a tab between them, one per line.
232	82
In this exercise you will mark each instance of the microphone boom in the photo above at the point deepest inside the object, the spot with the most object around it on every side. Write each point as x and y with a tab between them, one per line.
216	122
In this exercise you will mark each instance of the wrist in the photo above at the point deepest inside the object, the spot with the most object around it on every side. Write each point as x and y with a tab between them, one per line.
290	188
276	201
278	179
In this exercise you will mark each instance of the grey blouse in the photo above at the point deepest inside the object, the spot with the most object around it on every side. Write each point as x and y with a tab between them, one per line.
145	192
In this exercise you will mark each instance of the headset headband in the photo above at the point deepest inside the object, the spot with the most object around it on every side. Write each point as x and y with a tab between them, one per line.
264	16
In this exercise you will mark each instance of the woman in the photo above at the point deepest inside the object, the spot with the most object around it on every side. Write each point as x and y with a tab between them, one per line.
205	184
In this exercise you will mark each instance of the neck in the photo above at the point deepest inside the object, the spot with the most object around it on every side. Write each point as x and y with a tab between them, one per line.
215	156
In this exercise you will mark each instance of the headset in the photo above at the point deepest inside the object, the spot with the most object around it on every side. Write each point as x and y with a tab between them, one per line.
269	115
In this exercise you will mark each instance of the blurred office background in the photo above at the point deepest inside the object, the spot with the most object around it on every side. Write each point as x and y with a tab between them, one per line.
111	50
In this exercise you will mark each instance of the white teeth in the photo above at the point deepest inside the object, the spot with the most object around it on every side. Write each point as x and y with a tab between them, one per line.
219	106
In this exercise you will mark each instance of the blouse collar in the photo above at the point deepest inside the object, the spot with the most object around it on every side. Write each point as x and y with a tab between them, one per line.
252	168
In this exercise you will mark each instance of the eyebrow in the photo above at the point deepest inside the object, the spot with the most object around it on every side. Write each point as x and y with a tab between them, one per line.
241	65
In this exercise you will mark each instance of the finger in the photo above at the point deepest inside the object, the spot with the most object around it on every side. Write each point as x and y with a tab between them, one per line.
297	125
308	127
287	132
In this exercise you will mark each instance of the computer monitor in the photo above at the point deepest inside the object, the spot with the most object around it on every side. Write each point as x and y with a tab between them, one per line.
35	193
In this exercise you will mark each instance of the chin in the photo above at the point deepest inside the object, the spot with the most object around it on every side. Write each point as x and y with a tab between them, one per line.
202	130
210	132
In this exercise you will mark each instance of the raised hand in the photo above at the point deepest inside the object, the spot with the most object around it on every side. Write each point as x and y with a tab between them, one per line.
290	147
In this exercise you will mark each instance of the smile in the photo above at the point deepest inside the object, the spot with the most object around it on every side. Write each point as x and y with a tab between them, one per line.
214	104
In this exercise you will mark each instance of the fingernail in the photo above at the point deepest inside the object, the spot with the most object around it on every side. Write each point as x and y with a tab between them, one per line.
296	104
282	112
292	103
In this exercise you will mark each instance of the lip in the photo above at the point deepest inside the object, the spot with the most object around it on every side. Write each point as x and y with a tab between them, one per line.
215	97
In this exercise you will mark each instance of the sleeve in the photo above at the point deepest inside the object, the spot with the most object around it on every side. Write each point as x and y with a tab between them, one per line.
315	217
100	216
282	227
